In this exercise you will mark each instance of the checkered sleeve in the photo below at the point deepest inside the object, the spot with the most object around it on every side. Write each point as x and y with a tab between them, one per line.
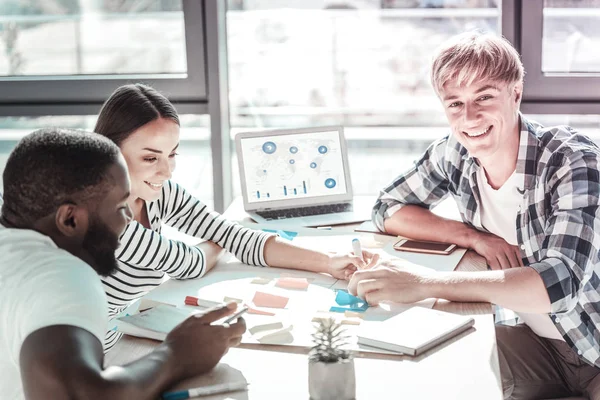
572	231
424	184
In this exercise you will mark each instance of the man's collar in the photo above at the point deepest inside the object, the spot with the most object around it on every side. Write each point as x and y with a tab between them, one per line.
527	157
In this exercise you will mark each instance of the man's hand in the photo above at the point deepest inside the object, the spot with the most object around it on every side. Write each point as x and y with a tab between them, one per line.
343	266
391	280
496	251
198	346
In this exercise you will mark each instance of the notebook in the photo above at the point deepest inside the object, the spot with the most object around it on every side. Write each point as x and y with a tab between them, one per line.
155	323
414	331
297	176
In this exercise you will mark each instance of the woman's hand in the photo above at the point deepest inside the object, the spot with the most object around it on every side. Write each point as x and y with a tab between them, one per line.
343	266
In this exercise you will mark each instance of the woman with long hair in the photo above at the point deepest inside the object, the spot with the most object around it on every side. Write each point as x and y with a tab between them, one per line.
145	125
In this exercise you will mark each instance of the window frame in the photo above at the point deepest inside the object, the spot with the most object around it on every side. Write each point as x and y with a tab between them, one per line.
575	92
25	95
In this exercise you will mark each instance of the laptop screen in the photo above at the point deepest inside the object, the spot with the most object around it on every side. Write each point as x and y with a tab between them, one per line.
300	165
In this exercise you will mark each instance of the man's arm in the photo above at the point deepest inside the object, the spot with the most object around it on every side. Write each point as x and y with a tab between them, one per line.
416	222
424	185
421	224
519	289
403	208
71	368
67	361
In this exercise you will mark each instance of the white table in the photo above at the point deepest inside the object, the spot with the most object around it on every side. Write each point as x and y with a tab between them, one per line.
465	367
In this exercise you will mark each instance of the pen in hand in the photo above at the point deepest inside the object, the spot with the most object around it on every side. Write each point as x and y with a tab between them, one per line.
357	248
205	391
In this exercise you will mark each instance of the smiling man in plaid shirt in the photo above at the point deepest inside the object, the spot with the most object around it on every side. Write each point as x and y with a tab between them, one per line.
528	197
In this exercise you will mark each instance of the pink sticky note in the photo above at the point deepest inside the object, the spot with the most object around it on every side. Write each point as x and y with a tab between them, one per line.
259	312
262	299
292	283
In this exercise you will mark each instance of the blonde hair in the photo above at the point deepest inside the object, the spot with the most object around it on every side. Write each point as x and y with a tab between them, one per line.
475	56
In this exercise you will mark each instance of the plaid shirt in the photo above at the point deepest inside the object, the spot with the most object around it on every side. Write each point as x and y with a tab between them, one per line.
558	222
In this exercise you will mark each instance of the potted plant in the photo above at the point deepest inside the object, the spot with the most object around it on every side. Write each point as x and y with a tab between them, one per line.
330	365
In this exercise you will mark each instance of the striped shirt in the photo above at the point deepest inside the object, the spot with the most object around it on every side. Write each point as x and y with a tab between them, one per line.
558	222
145	256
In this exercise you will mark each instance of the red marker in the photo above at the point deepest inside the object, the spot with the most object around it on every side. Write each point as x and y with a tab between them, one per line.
194	301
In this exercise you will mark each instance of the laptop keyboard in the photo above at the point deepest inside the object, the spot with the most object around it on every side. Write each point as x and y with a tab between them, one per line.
305	211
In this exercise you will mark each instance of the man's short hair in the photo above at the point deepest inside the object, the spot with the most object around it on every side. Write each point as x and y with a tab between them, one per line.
475	56
50	167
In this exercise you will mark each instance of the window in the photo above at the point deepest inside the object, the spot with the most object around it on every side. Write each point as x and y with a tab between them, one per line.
559	41
570	39
194	163
79	51
357	63
92	38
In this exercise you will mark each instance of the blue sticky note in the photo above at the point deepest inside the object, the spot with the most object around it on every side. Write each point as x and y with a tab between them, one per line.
288	235
343	298
347	302
356	308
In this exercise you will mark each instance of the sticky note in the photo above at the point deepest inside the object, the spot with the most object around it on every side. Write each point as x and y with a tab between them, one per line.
278	338
260	281
227	299
346	302
291	275
343	309
320	317
288	235
259	312
262	299
292	283
276	333
352	314
266	327
344	298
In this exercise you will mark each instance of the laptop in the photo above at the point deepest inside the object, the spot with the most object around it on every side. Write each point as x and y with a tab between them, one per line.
297	176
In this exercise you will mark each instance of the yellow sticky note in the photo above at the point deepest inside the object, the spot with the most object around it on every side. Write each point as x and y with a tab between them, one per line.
227	299
260	281
353	314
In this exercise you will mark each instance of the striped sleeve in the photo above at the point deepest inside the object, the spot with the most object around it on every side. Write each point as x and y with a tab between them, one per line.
425	184
144	249
187	214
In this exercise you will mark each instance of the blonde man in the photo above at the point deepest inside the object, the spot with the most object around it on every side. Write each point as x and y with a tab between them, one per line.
528	197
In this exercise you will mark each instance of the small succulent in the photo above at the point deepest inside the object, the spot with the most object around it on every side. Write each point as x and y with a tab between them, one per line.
329	341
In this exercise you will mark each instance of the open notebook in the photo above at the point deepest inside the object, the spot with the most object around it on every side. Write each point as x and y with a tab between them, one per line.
414	331
155	323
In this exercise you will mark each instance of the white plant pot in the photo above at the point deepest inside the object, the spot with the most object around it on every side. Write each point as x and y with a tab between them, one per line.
329	381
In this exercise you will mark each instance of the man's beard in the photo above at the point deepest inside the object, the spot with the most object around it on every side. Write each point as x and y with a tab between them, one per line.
101	243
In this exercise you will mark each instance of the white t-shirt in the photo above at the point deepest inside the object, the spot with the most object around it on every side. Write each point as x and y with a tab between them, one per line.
499	210
40	286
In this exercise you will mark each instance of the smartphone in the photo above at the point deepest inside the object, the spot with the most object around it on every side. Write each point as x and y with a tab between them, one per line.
234	316
417	246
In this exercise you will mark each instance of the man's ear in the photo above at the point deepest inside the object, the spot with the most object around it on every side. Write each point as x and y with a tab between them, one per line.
518	93
71	220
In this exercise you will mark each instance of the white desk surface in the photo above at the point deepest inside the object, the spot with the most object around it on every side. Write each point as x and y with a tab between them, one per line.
465	367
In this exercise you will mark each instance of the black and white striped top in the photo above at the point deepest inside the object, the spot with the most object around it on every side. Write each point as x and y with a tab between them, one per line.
145	256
